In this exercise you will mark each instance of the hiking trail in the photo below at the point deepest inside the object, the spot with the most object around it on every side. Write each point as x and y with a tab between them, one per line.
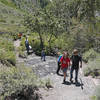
47	69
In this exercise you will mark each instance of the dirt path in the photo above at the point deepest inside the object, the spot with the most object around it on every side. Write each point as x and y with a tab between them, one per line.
47	69
16	45
60	91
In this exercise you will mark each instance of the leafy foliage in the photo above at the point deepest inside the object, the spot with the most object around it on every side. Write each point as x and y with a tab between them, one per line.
90	55
7	55
93	68
13	79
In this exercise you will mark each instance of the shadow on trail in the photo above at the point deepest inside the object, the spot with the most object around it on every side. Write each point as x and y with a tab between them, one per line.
30	52
76	84
60	74
79	84
66	83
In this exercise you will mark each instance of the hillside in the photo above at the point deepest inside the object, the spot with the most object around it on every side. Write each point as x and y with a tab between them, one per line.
10	19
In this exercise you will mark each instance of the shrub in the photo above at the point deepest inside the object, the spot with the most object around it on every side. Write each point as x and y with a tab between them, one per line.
13	79
22	54
12	21
93	68
2	20
90	55
7	54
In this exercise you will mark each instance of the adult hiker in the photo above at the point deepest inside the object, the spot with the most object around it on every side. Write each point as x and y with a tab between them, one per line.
59	63
65	63
43	55
27	45
76	61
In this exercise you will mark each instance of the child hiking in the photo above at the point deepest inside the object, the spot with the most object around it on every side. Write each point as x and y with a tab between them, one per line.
59	63
43	55
75	65
65	63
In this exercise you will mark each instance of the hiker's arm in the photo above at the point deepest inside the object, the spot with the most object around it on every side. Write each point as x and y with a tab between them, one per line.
80	62
61	61
69	62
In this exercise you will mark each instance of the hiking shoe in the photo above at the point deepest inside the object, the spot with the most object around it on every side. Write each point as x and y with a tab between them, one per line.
71	80
76	82
64	81
57	73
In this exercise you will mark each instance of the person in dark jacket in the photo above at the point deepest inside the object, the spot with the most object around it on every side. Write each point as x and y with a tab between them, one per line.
27	45
76	59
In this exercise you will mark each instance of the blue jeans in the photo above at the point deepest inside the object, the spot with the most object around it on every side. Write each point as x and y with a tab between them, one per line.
43	57
76	73
27	48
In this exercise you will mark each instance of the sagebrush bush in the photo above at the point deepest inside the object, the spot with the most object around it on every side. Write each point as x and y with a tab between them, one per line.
13	79
7	54
93	68
22	54
2	20
90	55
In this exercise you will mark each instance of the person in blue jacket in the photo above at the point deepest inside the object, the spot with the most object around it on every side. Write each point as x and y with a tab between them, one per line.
59	63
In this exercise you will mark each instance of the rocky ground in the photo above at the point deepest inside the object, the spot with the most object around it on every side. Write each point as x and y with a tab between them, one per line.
47	69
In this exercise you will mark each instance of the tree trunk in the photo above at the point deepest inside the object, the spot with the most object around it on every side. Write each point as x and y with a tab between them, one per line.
41	41
50	41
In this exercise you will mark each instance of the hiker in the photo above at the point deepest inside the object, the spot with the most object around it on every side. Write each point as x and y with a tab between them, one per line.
65	63
27	45
43	55
19	35
59	63
75	58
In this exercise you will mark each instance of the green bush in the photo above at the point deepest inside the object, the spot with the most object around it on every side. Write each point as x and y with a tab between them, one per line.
8	3
2	20
7	54
22	54
13	79
93	68
90	55
12	21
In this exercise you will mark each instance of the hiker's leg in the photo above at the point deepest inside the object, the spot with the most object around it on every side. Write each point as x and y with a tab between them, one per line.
76	75
44	57
64	72
41	57
64	76
58	68
71	73
27	50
